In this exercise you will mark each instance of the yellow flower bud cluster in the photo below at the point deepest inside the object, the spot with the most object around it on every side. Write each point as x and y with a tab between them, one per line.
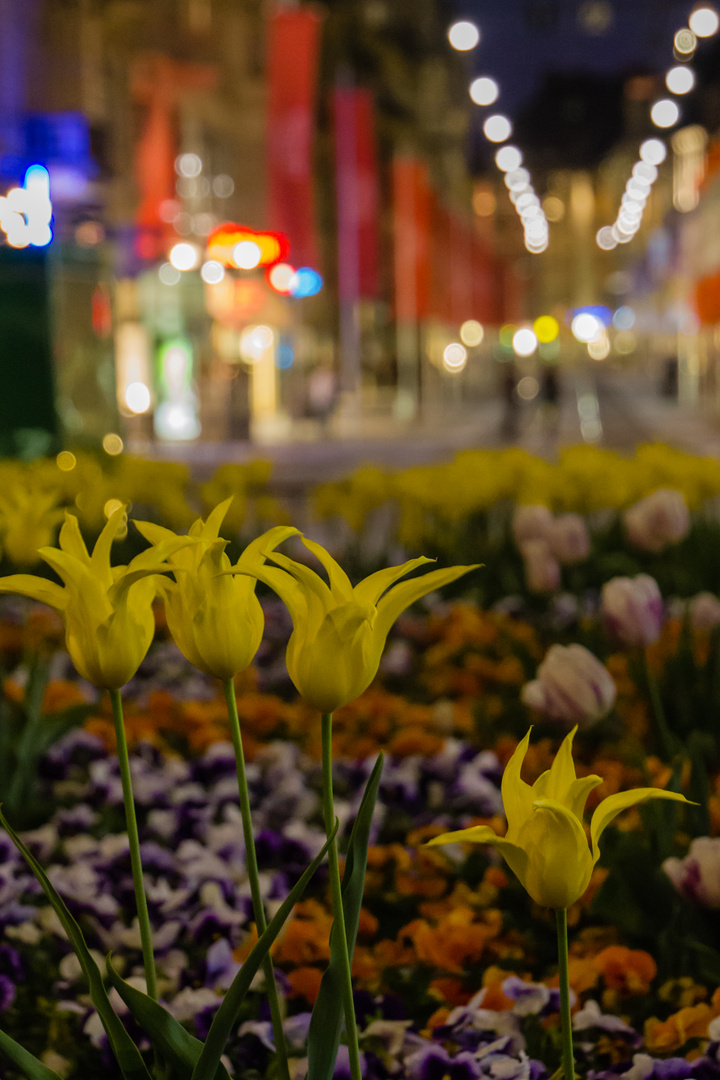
430	498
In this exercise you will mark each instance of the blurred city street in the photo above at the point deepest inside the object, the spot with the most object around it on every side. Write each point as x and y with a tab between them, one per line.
597	407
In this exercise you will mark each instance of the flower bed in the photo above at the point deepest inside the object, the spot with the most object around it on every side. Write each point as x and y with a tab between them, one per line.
455	970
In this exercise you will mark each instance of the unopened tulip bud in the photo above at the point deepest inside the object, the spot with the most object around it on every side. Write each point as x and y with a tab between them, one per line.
571	686
632	609
704	610
542	570
697	876
569	539
533	522
658	520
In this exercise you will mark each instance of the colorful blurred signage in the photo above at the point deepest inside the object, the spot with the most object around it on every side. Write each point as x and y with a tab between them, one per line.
223	242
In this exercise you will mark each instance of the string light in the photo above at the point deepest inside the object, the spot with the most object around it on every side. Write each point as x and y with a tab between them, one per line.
463	35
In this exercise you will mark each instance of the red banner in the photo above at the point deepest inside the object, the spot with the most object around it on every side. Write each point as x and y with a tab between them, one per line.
158	83
293	44
357	193
411	238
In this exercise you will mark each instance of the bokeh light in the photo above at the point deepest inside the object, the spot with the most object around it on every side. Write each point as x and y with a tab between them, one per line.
454	357
624	318
684	42
112	444
111	506
168	274
553	207
188	166
625	342
463	35
506	335
653	151
704	21
644	171
484	91
680	79
212	272
528	388
508	158
605	238
665	113
183	257
137	397
599	349
546	329
497	128
586	327
247	255
484	202
471	332
524	341
305	282
66	461
280	277
223	186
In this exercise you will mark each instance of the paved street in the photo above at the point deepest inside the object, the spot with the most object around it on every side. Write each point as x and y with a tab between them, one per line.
597	406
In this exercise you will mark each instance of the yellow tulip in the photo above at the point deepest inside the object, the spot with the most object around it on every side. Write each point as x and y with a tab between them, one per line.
545	844
29	518
339	631
107	611
215	619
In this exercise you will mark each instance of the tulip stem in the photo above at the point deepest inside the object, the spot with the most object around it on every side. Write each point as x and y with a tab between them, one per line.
568	1059
134	841
337	904
662	732
251	865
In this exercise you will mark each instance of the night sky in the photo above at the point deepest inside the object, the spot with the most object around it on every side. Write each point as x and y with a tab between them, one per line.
561	66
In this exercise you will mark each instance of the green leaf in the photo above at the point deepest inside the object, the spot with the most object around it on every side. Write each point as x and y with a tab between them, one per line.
126	1052
327	1014
707	959
25	1061
177	1046
227	1015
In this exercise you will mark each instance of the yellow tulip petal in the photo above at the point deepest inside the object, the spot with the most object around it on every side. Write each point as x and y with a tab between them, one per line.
36	588
339	581
122	585
71	539
258	548
562	771
306	577
166	549
401	596
476	834
560	782
100	558
615	804
285	585
514	855
371	589
559	860
211	528
153	533
346	618
577	796
74	573
517	796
